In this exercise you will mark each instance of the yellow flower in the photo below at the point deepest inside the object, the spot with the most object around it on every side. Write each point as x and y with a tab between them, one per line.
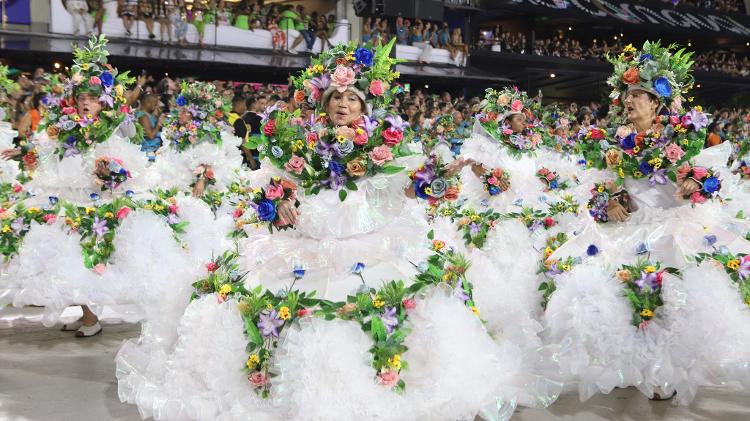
395	362
85	66
438	245
629	48
269	306
647	314
109	215
377	302
637	149
158	208
294	149
685	142
698	107
284	313
119	90
548	251
253	361
428	191
310	71
6	228
650	269
225	289
475	218
340	139
89	210
637	174
733	264
600	189
475	311
69	221
34	210
350	57
565	267
680	129
620	172
318	68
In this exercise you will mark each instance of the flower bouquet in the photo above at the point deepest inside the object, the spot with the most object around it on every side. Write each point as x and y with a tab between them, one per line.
743	170
110	173
551	179
199	115
601	194
707	179
432	182
494	180
264	203
642	283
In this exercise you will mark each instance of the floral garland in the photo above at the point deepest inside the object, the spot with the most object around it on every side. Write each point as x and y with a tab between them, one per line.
16	223
552	268
534	219
199	116
264	313
110	173
551	179
92	75
493	181
432	183
264	203
642	284
707	179
332	158
737	266
476	226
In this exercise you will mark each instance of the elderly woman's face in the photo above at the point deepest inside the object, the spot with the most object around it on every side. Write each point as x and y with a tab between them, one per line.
344	108
88	105
517	122
640	106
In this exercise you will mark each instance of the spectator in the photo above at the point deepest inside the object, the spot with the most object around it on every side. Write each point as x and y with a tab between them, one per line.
322	32
458	46
127	10
150	117
402	31
96	9
146	12
161	14
278	37
178	18
367	30
78	10
307	30
242	15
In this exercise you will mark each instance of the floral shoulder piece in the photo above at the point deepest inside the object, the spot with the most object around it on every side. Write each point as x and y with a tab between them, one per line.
642	285
601	194
551	179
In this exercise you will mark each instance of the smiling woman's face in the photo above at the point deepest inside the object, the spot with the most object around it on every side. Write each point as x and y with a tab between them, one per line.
344	108
88	104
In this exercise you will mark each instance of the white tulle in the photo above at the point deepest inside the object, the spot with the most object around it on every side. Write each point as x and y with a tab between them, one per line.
8	168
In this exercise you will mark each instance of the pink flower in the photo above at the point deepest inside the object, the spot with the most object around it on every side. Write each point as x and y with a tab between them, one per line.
315	94
380	155
700	172
258	379
94	80
516	106
676	104
342	77
697	198
388	378
295	164
623	132
361	138
683	171
551	176
304	312
311	138
212	267
345	132
409	304
50	218
507	131
492	181
674	120
274	192
674	152
376	87
174	209
237	213
69	110
123	212
99	268
392	136
296	121
17	188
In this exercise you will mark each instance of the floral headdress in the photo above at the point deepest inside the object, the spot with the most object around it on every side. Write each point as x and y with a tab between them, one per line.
7	87
661	71
498	106
363	70
89	74
208	111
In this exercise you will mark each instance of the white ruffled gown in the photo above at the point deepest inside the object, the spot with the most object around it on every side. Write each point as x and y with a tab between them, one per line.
8	168
324	367
148	263
699	336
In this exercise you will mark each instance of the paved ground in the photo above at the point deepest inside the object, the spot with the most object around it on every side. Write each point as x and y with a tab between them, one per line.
46	374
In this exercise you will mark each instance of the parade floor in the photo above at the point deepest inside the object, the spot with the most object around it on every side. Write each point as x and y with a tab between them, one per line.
46	374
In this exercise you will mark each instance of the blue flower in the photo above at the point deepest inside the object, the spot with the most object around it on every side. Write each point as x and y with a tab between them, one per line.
299	272
645	168
358	268
129	193
642	248
181	101
711	185
107	78
53	200
94	197
494	190
662	87
553	184
363	56
335	167
70	139
266	210
592	250
628	142
419	189
709	240
645	57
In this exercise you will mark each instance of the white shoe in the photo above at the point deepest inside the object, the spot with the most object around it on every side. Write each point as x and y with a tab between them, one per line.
291	51
88	331
69	327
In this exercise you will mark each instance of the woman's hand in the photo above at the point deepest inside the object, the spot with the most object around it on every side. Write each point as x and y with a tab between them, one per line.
199	188
687	188
454	167
616	211
478	169
288	213
9	154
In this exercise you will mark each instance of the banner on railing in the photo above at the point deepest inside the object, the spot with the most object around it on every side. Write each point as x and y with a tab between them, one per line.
17	11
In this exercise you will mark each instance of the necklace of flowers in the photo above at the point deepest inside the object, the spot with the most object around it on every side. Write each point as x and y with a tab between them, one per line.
642	285
264	313
432	182
707	179
737	266
259	206
332	157
551	179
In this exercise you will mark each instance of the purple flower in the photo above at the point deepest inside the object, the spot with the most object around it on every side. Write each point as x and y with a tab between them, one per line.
17	226
396	122
99	227
698	119
658	177
324	150
172	219
107	99
709	240
70	150
459	292
369	125
647	280
269	323
744	269
322	82
358	268
389	319
553	271
474	229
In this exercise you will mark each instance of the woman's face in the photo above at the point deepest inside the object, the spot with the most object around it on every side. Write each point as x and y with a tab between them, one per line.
517	122
88	104
344	108
639	106
185	116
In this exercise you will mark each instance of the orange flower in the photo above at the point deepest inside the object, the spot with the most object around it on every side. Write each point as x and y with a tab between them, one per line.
299	96
631	76
451	193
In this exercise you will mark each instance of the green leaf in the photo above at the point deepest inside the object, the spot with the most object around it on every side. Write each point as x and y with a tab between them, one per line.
351	185
379	332
392	169
252	332
342	195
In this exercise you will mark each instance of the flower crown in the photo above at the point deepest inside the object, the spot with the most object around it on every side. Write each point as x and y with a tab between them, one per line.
498	106
208	111
662	71
366	70
92	74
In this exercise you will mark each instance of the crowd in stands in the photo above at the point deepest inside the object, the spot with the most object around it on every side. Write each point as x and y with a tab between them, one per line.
733	6
563	45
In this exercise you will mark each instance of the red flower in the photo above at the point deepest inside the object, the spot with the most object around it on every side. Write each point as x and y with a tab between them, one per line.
392	136
660	277
409	304
212	267
631	76
219	114
17	188
237	213
674	120
616	102
303	312
173	209
270	128
549	222
639	138
597	134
